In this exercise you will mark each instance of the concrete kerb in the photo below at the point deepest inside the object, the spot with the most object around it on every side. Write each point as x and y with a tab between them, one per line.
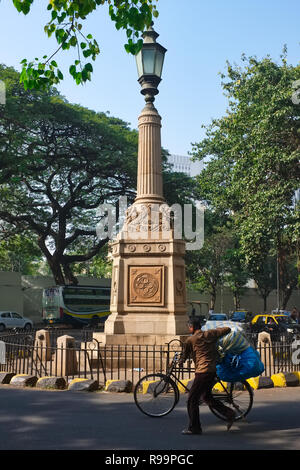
282	379
24	380
84	385
51	383
5	377
286	379
118	386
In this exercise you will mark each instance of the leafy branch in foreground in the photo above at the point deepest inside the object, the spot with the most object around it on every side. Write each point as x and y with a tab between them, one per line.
66	24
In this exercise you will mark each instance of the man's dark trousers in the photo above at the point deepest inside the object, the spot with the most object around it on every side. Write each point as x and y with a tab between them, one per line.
201	390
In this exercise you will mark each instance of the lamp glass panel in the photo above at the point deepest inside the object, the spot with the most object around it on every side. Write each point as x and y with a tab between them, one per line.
139	63
148	60
159	63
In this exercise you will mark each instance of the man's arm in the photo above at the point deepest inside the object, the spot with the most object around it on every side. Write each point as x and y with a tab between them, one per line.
187	351
217	332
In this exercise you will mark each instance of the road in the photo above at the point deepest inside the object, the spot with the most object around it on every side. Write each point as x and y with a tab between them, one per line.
33	419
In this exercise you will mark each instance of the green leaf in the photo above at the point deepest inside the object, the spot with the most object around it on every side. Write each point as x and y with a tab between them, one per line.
89	67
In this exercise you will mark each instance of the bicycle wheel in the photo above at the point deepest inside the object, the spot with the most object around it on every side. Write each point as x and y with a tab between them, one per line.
239	399
156	395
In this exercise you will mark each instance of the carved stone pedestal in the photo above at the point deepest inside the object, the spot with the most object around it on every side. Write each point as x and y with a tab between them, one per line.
148	295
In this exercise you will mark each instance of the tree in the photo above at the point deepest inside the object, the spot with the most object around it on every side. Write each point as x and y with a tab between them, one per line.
66	19
99	266
236	274
59	162
288	275
265	277
253	169
205	267
63	161
20	254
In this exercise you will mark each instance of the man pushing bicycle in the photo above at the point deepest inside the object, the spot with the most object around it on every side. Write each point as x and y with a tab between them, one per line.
202	348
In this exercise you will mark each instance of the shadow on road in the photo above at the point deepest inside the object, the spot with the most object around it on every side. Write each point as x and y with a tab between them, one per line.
40	420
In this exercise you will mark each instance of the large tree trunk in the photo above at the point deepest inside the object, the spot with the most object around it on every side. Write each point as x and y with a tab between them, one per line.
69	276
286	294
57	273
265	297
281	263
53	263
213	296
236	300
264	293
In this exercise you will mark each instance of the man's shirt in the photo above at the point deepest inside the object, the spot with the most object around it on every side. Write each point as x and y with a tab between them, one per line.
201	346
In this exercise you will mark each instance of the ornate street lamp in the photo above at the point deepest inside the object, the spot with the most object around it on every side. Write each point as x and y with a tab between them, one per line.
149	63
148	300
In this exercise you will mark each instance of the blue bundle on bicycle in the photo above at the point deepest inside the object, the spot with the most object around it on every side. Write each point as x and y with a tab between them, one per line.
239	367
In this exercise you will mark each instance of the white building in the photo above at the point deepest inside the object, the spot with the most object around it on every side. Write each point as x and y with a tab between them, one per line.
185	165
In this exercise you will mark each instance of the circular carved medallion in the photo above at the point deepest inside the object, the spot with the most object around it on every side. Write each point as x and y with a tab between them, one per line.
147	248
162	248
145	285
132	248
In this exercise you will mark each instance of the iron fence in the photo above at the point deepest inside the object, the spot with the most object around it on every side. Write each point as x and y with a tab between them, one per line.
85	357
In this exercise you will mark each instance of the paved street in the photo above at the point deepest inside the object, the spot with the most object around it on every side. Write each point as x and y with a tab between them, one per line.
34	419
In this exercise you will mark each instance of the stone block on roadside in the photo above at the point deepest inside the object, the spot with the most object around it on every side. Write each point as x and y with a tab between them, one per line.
52	383
291	379
84	385
5	377
24	380
265	382
118	386
187	385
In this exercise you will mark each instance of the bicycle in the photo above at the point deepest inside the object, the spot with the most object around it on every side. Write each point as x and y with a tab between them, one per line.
157	394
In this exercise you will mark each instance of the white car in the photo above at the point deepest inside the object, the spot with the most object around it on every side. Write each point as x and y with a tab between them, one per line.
14	320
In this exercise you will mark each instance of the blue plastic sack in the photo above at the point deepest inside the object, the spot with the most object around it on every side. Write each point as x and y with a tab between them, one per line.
236	368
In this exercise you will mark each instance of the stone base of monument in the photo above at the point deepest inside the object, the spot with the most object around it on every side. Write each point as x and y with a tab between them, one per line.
136	350
142	340
135	339
150	328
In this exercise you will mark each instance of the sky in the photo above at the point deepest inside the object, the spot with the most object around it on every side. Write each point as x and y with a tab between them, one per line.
200	36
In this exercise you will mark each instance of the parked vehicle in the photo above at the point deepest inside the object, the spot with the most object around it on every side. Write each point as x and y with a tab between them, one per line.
276	325
76	305
9	320
241	316
281	312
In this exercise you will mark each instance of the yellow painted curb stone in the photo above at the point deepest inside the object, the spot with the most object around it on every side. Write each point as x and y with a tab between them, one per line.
180	387
278	380
108	382
219	387
254	382
297	374
74	381
46	377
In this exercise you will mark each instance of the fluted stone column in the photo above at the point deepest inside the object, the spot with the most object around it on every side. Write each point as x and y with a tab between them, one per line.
149	178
